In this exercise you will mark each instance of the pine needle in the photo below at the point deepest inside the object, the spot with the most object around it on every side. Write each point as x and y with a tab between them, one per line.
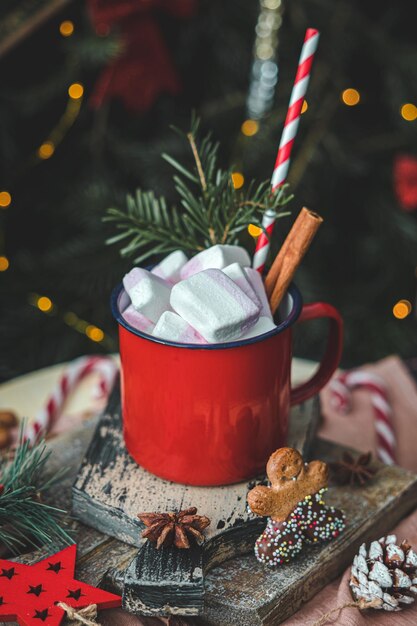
211	209
24	518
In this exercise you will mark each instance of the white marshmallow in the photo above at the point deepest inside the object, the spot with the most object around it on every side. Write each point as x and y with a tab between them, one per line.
149	293
172	327
218	257
237	273
169	268
263	325
137	320
257	283
216	307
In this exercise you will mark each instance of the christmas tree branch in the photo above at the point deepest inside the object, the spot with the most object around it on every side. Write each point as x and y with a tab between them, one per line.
24	518
259	205
203	182
212	210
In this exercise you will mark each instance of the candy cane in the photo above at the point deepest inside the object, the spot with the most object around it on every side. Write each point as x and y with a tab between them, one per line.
341	387
291	123
72	376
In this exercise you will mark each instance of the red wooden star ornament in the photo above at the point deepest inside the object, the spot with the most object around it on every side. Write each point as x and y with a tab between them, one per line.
29	593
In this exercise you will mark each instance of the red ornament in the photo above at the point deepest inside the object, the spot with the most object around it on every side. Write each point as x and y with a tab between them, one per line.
145	68
405	181
29	593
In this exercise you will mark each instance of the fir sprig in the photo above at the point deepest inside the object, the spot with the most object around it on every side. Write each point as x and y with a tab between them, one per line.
24	518
212	210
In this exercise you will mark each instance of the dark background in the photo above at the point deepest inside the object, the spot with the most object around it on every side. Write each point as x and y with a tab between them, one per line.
147	64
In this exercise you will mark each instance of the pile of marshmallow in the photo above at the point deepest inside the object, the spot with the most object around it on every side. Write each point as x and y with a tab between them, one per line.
212	298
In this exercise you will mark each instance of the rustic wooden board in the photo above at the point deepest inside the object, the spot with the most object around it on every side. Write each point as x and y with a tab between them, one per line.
163	584
111	489
240	591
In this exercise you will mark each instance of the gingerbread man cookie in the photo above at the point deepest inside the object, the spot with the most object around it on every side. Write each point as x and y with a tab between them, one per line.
295	507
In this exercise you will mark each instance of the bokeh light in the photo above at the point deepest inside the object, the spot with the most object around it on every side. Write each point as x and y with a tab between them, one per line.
271	4
409	112
254	230
5	199
4	263
304	107
351	97
44	304
249	128
76	91
94	333
402	309
66	28
238	180
46	150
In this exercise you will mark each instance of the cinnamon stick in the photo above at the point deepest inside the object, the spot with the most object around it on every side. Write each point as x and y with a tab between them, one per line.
272	276
290	256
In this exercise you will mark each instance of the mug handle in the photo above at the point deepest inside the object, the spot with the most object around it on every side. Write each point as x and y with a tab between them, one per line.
333	353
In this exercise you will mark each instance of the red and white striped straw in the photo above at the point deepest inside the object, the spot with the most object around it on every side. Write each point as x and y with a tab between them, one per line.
292	121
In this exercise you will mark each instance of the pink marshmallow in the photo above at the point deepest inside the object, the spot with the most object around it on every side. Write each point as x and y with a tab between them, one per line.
212	304
218	256
263	325
237	273
257	283
137	320
149	293
172	327
169	268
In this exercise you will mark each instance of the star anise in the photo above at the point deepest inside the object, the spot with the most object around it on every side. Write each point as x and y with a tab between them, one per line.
351	470
166	529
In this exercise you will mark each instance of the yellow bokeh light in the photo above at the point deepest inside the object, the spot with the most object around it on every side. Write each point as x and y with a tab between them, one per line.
304	107
94	333
249	128
401	309
254	230
351	97
238	180
409	112
44	304
4	263
66	28
75	91
5	199
46	150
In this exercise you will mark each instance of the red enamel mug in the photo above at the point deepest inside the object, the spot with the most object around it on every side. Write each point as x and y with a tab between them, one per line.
213	414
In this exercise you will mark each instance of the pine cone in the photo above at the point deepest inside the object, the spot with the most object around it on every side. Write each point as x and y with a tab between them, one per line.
385	574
